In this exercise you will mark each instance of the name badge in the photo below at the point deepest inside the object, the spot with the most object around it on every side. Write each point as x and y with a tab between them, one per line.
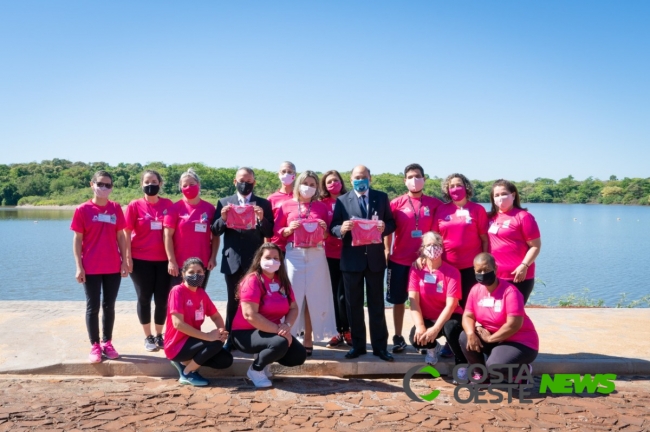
375	217
198	315
426	211
201	227
494	228
506	224
462	213
439	288
416	233
498	305
430	278
488	302
156	225
275	287
104	218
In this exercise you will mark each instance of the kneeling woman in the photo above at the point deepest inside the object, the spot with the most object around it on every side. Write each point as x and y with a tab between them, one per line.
434	292
494	321
267	310
186	345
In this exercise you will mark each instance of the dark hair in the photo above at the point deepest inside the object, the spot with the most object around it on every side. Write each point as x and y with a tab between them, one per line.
248	171
191	261
412	167
154	172
256	269
486	257
101	173
445	186
324	193
511	188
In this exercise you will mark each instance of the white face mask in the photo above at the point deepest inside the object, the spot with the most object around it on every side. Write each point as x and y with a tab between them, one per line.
101	192
415	184
270	265
307	191
286	178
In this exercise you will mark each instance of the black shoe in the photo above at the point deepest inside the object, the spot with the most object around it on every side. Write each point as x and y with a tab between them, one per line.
399	344
159	341
384	355
354	353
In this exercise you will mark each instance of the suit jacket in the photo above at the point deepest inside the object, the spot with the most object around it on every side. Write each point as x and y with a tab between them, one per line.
239	246
357	258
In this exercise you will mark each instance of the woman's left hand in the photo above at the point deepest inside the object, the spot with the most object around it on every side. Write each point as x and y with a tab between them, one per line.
323	224
484	334
520	273
124	269
212	263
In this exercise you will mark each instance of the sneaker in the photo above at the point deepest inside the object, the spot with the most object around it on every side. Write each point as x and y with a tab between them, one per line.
446	351
267	371
109	351
259	378
301	337
399	344
95	355
432	355
179	367
193	378
462	375
160	342
150	344
335	341
347	337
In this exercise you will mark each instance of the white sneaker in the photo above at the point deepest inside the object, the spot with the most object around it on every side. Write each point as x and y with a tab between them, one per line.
267	371
301	338
432	355
150	344
258	377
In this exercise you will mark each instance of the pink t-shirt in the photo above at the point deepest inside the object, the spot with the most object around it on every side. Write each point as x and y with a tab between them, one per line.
333	245
241	217
192	235
365	232
508	235
434	288
99	225
145	220
405	245
291	211
492	310
309	234
276	199
461	230
194	306
272	299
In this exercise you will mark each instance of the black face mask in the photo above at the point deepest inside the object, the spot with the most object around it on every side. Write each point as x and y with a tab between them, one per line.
486	279
194	280
151	190
244	188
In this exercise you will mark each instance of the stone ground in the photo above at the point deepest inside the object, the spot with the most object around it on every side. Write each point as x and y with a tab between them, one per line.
305	403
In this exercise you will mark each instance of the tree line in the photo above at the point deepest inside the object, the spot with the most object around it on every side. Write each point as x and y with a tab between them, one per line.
62	182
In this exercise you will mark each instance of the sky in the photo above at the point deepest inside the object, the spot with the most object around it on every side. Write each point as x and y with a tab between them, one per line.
491	89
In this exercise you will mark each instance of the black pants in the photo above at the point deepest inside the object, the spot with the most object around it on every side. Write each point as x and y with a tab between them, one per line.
375	298
109	284
452	330
150	279
205	353
467	281
176	280
498	353
525	287
232	281
338	292
269	348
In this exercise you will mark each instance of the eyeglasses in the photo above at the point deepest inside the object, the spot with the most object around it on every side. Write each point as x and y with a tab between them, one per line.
106	185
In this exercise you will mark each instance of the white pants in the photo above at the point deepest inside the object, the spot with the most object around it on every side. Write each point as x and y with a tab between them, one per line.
310	280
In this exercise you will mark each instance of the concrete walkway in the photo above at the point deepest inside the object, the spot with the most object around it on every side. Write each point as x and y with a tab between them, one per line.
38	337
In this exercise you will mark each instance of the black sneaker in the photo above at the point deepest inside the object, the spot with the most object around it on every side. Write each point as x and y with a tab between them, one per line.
160	343
399	344
150	344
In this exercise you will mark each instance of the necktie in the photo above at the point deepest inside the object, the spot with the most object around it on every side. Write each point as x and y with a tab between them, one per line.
364	208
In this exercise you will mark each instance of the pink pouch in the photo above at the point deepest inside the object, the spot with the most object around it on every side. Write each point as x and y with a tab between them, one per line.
309	234
365	232
241	217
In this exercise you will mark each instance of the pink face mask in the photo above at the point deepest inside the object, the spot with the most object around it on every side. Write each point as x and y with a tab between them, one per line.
415	184
433	252
101	192
504	202
270	265
335	187
457	193
191	192
287	178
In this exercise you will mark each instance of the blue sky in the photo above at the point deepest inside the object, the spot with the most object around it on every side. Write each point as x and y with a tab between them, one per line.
488	88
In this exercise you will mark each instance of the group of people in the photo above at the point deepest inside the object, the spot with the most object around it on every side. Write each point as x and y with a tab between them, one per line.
299	265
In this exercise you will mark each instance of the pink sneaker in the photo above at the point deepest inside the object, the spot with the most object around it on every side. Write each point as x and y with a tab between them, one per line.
109	351
95	355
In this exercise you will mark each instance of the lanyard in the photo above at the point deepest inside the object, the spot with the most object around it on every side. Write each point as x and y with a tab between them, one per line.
417	214
300	214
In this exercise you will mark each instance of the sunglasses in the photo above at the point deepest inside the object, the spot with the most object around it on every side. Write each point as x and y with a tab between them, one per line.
106	185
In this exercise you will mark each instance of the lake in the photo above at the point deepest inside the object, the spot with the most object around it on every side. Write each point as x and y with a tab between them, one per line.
601	248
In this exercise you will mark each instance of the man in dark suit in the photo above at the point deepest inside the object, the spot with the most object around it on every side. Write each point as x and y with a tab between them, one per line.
364	262
239	246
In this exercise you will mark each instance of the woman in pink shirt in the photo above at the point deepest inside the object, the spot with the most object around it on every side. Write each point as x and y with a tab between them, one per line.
307	265
434	292
515	240
146	256
186	345
99	249
331	187
266	313
187	229
495	322
287	176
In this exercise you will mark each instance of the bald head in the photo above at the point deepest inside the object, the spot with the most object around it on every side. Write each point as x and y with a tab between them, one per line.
484	262
360	172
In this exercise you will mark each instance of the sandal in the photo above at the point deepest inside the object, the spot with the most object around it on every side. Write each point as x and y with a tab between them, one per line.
310	351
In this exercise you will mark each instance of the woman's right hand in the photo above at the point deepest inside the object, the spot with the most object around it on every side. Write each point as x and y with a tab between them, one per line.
213	335
80	275
294	226
172	268
419	333
474	343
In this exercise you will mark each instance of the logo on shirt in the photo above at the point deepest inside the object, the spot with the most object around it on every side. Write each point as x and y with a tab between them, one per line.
95	219
448	218
204	217
189	303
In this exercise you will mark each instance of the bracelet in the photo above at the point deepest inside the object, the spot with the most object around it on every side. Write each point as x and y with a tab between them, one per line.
527	265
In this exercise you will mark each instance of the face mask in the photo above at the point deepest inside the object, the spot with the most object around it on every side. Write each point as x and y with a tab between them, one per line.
335	187
101	192
270	265
457	193
504	202
244	188
433	252
191	192
286	178
194	280
307	191
361	185
486	279
415	184
151	190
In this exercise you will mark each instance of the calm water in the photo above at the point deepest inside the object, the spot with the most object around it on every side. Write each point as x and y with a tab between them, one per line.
605	249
